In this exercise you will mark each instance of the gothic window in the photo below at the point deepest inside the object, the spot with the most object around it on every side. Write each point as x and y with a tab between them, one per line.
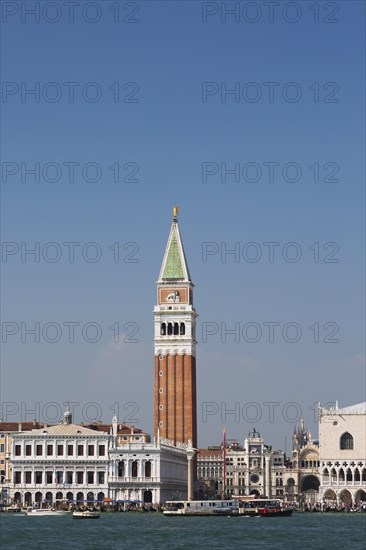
346	441
134	469
182	329
357	475
176	329
148	469
121	468
349	475
163	329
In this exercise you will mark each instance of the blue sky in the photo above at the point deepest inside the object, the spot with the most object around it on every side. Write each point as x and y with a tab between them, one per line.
163	139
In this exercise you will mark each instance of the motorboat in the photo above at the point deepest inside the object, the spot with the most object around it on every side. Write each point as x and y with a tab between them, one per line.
201	508
263	507
35	512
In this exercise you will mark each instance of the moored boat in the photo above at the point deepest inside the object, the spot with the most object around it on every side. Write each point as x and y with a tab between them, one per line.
86	514
263	506
275	511
201	508
37	512
14	510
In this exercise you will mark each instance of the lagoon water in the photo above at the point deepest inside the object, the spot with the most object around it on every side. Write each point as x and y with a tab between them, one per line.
153	531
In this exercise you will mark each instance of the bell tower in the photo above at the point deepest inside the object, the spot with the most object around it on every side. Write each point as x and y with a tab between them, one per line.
175	412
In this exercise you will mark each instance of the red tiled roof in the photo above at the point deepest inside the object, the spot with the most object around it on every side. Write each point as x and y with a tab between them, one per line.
10	427
205	453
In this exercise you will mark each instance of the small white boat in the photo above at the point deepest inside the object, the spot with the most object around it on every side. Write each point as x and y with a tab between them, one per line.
86	514
32	512
15	510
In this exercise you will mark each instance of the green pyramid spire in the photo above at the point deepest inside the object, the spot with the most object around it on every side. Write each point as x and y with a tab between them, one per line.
173	266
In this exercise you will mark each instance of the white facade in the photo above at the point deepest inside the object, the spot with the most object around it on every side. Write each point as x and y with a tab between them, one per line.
251	469
61	462
148	472
342	454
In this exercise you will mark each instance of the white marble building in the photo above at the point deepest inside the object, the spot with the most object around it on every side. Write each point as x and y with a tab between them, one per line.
147	472
342	454
60	462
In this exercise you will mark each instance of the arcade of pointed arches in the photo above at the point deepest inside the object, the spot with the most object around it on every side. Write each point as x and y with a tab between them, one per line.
335	472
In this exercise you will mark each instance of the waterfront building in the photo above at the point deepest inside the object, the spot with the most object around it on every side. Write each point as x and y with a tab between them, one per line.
301	477
250	469
65	461
342	453
147	472
6	441
175	411
209	472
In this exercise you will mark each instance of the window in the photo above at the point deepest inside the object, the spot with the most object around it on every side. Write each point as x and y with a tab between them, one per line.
17	477
90	477
60	450
28	477
134	469
121	468
91	450
148	469
69	478
346	441
18	450
80	450
49	478
38	477
28	450
101	450
101	477
70	450
49	450
59	477
2	447
80	477
39	450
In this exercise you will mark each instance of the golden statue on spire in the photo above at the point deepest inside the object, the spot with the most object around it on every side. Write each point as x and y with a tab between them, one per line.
175	213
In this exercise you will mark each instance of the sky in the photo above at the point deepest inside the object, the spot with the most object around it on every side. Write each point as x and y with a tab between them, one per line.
247	115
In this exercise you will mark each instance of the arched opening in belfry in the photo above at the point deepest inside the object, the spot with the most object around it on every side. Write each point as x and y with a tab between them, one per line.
163	329
170	329
176	329
182	329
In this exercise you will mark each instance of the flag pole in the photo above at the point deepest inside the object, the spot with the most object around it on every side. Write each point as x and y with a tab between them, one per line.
224	464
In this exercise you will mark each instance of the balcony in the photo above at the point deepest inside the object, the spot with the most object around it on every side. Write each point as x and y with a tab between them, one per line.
132	480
